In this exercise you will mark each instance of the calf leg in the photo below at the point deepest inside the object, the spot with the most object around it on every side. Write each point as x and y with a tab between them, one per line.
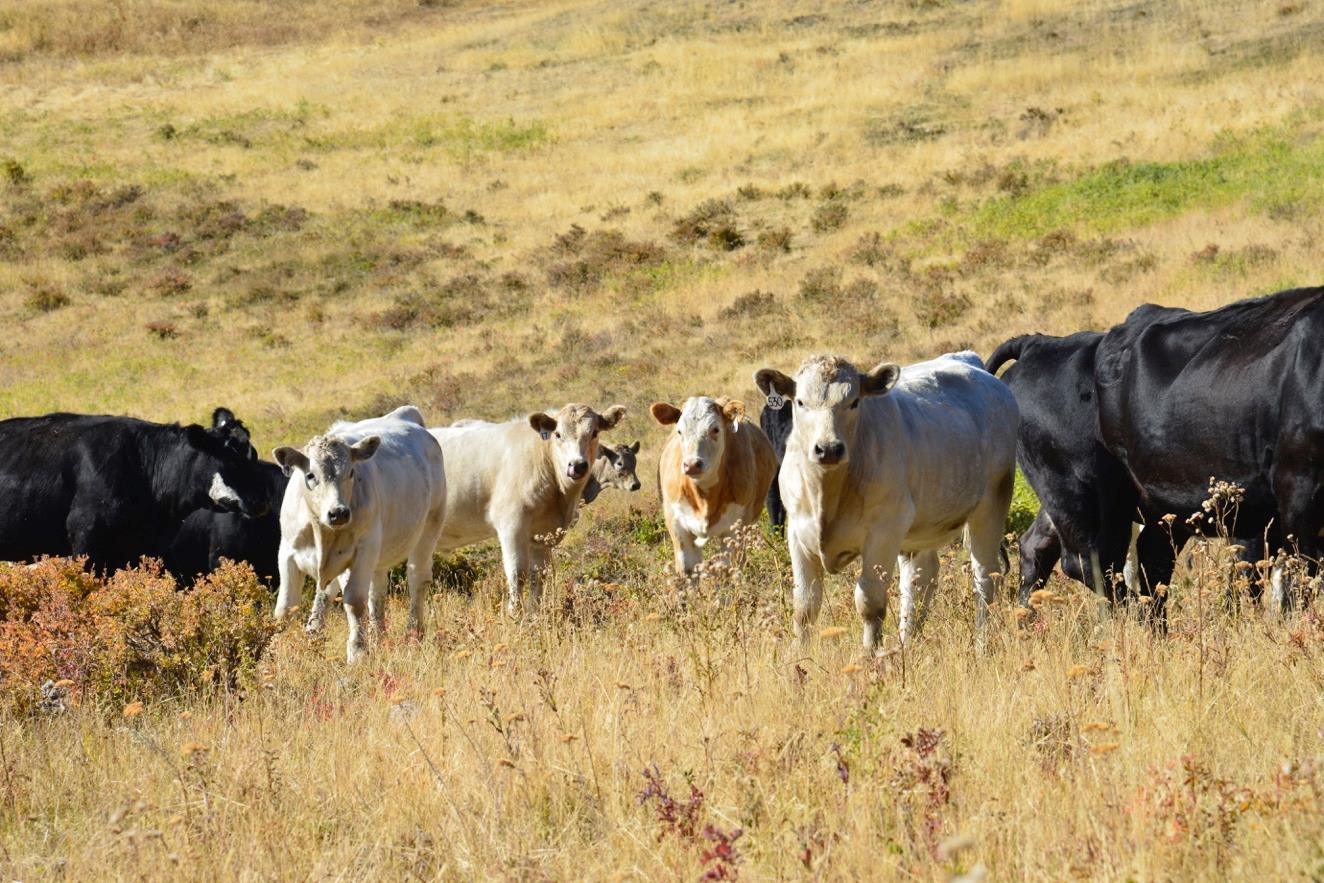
1040	549
377	601
984	539
807	570
290	593
540	556
420	574
688	555
357	588
919	571
776	509
871	589
515	556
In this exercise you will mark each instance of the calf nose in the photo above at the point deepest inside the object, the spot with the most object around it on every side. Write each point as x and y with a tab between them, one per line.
830	452
577	469
635	486
692	466
338	516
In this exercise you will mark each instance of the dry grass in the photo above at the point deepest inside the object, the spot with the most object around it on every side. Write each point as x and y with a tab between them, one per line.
1071	748
304	211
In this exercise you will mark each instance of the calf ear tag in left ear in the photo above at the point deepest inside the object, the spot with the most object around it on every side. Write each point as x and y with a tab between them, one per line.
776	401
545	434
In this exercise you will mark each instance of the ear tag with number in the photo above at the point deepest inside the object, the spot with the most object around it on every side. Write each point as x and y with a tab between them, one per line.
776	401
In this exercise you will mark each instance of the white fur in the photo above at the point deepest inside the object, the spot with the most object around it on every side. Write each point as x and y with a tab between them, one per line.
932	455
399	508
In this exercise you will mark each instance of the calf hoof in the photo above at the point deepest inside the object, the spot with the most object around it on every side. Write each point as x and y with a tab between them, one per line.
355	652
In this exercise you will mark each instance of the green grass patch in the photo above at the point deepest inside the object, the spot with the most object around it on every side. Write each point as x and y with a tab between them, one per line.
1277	170
460	137
1024	506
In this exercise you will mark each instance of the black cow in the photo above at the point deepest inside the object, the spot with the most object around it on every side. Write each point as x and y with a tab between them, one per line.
207	536
776	420
116	488
1234	394
1087	503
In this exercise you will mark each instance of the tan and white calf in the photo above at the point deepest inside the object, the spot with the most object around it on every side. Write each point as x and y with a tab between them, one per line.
361	498
519	480
714	473
889	466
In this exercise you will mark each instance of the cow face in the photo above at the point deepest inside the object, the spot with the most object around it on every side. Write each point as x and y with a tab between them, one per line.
326	466
616	466
572	434
702	427
826	394
232	478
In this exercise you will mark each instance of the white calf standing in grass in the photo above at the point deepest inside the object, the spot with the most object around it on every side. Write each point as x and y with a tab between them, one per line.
519	480
889	466
361	499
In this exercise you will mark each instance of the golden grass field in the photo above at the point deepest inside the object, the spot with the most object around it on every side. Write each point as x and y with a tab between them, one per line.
307	210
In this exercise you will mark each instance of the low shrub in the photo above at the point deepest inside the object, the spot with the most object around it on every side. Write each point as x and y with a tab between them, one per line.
128	637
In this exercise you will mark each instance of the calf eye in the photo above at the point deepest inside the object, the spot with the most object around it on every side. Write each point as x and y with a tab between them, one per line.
855	404
799	404
713	432
558	435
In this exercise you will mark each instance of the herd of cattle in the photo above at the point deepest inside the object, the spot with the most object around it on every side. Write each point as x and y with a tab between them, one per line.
1117	432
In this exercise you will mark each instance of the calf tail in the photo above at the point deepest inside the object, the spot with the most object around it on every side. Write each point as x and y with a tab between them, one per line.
1007	352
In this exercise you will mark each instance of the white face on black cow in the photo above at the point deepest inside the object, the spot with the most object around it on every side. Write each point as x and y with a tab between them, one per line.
826	393
326	468
702	426
573	435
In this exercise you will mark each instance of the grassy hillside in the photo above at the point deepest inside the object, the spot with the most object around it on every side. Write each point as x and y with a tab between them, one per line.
310	210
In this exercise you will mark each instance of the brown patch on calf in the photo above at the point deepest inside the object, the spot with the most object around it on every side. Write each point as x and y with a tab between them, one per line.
747	469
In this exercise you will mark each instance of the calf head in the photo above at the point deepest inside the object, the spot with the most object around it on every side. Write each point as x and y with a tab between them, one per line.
826	394
702	425
572	433
615	466
326	465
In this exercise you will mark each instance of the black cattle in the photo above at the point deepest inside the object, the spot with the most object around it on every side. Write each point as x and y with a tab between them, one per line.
776	420
1087	503
207	536
115	488
1234	394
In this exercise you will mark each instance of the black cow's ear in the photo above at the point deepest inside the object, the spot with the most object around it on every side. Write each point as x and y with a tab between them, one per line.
878	381
770	381
221	417
290	459
634	448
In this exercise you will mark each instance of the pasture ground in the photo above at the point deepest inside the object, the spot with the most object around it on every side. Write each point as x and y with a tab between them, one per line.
316	210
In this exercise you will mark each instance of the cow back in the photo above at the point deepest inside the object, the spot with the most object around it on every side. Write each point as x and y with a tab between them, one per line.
1183	397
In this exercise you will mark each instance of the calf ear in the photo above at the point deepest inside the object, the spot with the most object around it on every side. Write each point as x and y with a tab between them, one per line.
542	424
290	459
634	448
610	417
734	411
222	417
770	381
878	381
364	448
664	413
